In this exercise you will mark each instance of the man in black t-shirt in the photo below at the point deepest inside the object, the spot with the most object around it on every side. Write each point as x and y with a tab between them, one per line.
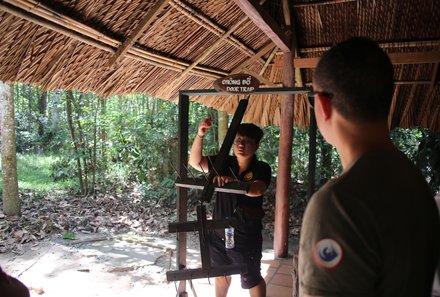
246	209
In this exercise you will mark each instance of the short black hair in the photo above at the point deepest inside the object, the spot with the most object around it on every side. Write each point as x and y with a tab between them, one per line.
250	130
359	75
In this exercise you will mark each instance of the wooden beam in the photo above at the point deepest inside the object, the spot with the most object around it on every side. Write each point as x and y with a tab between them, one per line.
143	24
413	82
182	193
209	25
268	61
285	161
265	23
415	57
251	60
384	45
434	74
321	3
286	13
282	196
214	46
399	82
261	78
396	59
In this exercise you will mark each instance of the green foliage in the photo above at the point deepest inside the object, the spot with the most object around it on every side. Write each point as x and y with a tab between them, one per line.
63	169
428	159
163	193
25	139
145	138
268	150
34	174
69	236
407	140
423	147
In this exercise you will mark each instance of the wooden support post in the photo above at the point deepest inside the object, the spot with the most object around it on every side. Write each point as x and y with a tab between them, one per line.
182	193
312	155
284	154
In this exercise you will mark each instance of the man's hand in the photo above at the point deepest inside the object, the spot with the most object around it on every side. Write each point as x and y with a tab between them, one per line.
204	126
222	180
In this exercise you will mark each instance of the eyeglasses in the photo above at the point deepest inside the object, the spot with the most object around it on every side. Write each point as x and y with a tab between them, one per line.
244	142
311	97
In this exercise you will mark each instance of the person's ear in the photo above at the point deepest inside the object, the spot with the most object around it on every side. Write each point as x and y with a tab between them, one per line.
325	106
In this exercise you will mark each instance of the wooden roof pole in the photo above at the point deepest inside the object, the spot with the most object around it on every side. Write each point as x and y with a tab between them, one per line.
396	58
266	24
281	225
254	58
259	75
434	74
213	47
143	24
211	26
384	45
322	3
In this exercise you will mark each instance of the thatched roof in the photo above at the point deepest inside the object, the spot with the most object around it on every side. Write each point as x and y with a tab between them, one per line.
160	47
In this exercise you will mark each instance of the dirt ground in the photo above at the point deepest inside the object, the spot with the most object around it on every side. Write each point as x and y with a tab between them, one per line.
99	265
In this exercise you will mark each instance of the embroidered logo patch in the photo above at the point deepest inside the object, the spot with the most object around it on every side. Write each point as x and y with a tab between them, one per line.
248	176
327	253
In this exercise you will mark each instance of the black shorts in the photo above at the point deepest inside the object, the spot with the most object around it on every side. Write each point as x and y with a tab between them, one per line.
247	250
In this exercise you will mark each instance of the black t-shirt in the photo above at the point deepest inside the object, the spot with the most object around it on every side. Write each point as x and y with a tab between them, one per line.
247	210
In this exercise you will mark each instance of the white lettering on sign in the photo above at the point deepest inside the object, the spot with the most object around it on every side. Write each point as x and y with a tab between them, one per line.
240	89
231	82
237	83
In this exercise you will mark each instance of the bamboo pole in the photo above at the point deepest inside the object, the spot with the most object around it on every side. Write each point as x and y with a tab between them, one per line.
384	45
210	25
254	58
143	24
268	61
322	3
214	46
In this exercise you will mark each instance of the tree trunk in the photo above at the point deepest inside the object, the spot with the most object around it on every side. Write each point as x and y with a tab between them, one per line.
29	114
103	134
82	144
326	161
69	97
223	119
312	156
42	105
11	200
95	143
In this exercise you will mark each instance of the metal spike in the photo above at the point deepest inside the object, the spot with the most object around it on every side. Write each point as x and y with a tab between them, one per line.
203	171
209	159
236	178
192	175
177	172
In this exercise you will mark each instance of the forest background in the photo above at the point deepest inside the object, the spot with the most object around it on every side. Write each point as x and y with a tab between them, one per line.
78	152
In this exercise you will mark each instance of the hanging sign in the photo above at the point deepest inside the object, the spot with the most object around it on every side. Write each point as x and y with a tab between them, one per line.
240	83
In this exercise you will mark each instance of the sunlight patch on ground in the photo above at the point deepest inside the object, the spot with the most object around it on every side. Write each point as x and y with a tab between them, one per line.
125	265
